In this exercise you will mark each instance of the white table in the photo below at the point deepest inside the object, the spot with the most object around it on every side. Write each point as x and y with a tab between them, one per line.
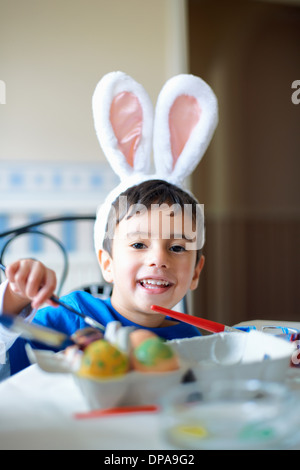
37	412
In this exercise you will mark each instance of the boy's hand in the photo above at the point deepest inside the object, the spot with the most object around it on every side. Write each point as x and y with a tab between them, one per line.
29	281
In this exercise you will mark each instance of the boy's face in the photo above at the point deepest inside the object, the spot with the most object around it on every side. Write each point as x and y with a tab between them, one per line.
151	264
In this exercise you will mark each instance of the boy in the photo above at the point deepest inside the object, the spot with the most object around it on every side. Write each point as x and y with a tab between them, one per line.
151	254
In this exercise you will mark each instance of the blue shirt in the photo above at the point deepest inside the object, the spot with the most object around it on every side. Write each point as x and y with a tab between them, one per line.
101	310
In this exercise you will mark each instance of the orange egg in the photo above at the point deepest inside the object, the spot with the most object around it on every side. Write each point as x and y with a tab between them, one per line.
151	353
140	335
102	360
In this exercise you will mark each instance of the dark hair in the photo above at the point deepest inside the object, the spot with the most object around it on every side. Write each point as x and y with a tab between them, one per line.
145	194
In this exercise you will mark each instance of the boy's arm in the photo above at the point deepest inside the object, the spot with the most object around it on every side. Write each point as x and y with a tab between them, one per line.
29	284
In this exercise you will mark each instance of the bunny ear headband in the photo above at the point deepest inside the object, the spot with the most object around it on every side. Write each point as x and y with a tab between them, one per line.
186	116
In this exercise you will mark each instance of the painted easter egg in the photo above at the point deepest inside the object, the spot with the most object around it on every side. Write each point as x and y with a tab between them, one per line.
150	353
86	336
139	335
102	360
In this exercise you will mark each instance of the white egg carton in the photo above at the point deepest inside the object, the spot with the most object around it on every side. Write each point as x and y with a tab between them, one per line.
132	388
253	355
230	355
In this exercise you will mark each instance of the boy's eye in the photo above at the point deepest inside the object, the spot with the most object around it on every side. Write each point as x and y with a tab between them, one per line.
138	245
177	248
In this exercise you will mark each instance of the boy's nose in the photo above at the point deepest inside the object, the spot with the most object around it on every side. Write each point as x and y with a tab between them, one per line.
158	259
158	264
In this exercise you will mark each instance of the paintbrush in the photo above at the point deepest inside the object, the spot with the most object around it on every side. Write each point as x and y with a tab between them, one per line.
207	325
88	320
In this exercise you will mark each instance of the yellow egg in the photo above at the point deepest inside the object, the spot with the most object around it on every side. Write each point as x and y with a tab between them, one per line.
102	359
151	353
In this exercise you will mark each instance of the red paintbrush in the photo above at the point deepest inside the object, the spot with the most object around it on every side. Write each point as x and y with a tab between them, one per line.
207	325
119	410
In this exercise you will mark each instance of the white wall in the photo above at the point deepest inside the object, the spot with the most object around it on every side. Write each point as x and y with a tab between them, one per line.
52	54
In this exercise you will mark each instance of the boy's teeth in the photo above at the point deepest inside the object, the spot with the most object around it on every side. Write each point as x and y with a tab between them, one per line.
154	282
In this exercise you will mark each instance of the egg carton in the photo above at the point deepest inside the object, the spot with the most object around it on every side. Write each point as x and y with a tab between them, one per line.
230	355
253	355
132	388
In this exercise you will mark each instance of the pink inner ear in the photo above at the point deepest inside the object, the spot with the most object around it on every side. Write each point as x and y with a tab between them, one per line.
184	115
126	117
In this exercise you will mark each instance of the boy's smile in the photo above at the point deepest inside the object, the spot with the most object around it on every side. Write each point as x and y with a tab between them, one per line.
155	284
150	264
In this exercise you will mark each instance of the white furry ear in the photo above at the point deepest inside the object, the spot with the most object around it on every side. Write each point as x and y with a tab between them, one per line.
186	117
123	118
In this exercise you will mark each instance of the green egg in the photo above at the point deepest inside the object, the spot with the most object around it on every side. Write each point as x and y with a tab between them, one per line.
152	350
